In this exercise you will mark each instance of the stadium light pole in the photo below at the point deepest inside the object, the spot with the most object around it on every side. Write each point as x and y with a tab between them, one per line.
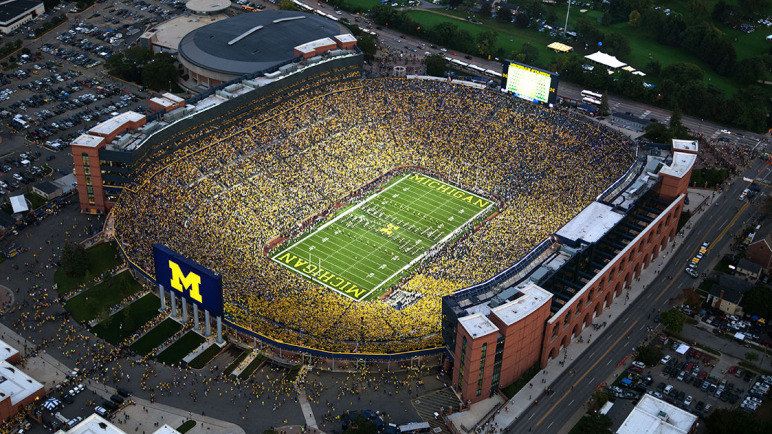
565	27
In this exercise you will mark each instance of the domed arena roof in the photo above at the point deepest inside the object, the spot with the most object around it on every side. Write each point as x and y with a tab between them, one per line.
254	42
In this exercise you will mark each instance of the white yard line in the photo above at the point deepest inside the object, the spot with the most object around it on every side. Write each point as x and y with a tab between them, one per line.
406	266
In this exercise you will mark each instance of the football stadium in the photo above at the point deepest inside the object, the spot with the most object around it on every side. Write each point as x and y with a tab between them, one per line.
340	211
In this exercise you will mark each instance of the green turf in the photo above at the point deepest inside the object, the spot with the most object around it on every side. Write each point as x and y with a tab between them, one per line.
186	426
252	367
156	336
94	301
181	348
207	355
128	320
367	247
101	257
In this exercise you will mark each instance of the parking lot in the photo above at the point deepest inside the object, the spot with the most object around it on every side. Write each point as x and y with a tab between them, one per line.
688	378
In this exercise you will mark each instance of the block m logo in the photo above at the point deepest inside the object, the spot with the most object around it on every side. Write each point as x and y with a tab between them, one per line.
182	282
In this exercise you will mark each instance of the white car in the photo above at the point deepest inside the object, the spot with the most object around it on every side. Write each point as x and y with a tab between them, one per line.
639	364
688	401
665	359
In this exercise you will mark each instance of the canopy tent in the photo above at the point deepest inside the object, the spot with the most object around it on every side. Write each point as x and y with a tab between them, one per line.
605	59
682	349
19	204
560	47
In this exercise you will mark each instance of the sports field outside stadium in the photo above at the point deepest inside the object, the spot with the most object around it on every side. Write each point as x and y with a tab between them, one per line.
368	247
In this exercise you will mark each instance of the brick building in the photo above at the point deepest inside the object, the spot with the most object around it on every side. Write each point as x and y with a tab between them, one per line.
497	330
17	389
86	155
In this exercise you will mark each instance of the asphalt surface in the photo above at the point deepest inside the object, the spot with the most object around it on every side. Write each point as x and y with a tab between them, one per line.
571	391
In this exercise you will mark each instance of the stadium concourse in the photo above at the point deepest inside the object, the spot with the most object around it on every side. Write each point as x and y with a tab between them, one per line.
228	195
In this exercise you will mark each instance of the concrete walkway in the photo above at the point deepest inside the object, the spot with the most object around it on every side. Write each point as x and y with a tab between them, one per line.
511	411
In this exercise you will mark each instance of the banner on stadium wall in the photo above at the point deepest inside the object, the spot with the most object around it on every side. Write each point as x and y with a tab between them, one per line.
189	279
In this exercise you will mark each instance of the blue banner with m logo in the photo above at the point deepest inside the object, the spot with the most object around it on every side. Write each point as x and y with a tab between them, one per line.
189	279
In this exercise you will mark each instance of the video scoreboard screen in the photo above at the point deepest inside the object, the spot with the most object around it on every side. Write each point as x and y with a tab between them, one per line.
532	84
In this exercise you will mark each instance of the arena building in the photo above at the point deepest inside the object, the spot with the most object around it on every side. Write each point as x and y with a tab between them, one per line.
256	44
14	13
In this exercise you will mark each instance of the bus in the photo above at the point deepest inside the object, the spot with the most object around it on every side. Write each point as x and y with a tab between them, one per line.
591	94
590	100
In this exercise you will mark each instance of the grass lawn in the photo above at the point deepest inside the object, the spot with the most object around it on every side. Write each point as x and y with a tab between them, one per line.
366	248
178	350
186	426
156	336
709	178
35	200
128	320
251	367
92	302
202	359
240	354
101	257
510	38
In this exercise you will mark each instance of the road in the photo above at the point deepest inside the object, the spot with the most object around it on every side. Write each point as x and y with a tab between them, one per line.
552	412
399	41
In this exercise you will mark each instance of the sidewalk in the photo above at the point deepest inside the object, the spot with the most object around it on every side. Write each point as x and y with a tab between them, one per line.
516	406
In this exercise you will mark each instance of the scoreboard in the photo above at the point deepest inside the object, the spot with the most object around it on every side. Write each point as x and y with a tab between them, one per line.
530	83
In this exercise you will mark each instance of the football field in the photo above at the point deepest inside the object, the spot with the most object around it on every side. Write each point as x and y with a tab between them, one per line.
368	247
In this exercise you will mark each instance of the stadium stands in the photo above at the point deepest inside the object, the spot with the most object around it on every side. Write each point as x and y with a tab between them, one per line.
236	183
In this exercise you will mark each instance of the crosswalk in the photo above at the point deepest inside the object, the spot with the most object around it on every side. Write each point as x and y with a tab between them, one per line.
435	402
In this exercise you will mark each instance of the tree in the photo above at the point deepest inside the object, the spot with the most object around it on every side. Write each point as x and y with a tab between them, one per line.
634	19
436	65
160	73
677	129
486	43
504	14
74	260
527	54
692	298
592	423
616	44
751	70
287	5
729	421
604	108
753	8
758	301
751	356
649	354
673	320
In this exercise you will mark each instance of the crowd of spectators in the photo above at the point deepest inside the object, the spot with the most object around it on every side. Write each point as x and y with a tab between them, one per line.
238	185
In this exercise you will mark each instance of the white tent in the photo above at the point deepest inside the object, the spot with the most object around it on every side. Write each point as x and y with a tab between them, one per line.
19	204
682	349
605	59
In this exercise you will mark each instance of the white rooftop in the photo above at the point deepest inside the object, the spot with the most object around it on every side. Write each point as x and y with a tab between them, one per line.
168	34
88	140
605	59
346	37
115	122
685	145
173	97
95	424
477	325
166	429
67	183
591	223
309	47
533	298
16	384
19	204
655	416
7	351
207	6
682	163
